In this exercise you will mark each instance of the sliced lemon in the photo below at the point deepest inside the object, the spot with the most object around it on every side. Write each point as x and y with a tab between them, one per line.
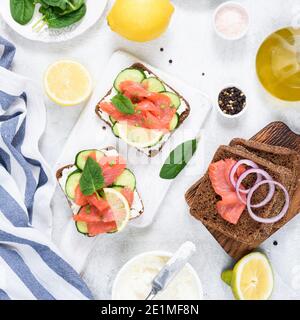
137	136
67	83
119	206
252	278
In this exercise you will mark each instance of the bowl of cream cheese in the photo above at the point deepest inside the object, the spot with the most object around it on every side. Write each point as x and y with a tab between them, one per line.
133	281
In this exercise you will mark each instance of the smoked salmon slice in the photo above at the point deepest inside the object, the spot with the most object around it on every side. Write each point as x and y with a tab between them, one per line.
112	168
152	110
96	228
88	214
230	212
134	90
99	203
128	194
80	198
230	207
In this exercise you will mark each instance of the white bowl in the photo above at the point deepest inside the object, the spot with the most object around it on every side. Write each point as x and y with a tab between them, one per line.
234	116
230	4
157	253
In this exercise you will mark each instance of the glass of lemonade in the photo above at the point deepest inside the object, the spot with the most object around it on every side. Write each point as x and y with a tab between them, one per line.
278	64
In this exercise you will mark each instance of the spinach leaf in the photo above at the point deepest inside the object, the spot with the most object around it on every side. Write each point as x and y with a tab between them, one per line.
22	10
62	4
178	159
123	104
44	4
92	177
57	21
72	5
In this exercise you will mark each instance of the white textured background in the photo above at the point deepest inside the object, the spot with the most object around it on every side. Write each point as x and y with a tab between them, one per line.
194	48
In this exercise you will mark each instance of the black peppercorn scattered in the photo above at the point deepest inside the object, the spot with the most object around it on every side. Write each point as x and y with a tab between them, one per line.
203	74
103	128
170	61
275	243
232	100
161	49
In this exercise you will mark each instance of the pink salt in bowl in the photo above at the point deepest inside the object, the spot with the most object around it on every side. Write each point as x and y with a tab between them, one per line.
231	20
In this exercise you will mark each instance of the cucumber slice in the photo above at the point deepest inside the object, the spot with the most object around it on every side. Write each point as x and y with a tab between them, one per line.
129	74
174	122
137	136
175	99
126	179
112	120
154	85
82	227
82	156
115	130
72	183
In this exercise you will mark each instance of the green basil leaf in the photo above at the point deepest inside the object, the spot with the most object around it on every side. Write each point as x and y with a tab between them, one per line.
92	178
123	104
178	159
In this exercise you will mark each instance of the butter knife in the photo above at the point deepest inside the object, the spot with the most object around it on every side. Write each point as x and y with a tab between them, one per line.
171	269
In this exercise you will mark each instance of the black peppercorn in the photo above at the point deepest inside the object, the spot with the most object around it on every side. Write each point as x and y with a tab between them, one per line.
232	100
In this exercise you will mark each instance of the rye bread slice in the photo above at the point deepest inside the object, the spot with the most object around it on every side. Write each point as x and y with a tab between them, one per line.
280	156
182	116
246	230
59	174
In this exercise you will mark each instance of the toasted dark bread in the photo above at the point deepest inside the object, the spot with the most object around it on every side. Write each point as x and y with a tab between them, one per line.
280	156
182	116
203	205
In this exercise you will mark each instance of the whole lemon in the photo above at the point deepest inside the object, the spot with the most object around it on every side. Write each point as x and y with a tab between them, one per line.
140	20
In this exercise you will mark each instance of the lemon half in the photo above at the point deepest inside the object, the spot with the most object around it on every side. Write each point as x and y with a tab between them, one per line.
252	278
67	83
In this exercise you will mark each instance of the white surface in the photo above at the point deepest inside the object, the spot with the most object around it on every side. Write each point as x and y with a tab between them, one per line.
194	48
94	11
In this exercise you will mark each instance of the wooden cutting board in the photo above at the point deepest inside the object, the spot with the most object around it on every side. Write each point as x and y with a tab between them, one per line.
277	134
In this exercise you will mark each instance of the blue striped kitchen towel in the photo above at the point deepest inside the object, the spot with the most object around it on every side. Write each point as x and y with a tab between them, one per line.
31	266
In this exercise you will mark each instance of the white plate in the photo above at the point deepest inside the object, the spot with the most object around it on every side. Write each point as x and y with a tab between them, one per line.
95	9
88	133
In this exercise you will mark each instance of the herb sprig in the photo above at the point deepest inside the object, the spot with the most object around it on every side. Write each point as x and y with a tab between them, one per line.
123	104
178	159
92	178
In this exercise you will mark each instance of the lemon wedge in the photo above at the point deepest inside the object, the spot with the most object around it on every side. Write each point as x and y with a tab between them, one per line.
119	205
137	136
67	83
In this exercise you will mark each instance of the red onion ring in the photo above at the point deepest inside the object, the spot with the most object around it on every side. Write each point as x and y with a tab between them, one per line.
282	212
234	169
262	173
